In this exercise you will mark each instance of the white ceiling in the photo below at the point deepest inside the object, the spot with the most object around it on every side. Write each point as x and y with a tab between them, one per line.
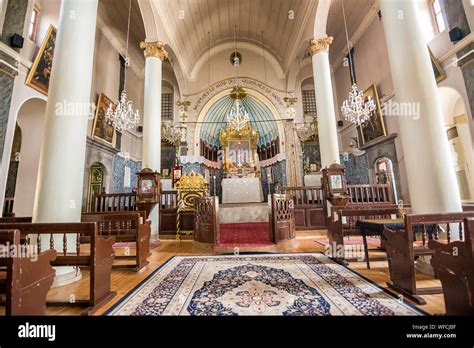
188	23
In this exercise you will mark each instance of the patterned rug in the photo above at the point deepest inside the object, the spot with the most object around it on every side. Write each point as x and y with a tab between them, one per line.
258	284
245	234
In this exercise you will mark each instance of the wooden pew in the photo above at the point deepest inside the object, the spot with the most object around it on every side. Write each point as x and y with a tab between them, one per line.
343	222
25	278
453	264
99	257
402	253
125	227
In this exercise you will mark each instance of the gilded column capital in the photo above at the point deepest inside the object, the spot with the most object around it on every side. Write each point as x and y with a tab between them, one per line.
319	45
154	49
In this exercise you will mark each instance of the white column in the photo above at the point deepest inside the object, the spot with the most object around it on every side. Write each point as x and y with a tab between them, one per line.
151	150
329	147
60	176
431	178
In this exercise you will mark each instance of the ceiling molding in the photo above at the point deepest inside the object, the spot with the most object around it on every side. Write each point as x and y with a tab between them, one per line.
297	43
240	45
369	18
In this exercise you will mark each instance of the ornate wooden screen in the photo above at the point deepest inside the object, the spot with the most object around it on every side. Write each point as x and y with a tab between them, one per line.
189	187
282	218
206	223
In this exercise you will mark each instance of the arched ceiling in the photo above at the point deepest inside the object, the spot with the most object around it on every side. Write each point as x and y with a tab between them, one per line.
261	118
187	23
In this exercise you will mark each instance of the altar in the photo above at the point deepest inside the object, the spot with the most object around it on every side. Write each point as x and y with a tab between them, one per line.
242	190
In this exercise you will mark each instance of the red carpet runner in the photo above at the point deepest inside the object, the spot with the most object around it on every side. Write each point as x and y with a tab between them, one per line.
245	234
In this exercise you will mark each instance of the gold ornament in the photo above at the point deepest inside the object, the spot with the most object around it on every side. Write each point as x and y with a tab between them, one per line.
154	49
319	45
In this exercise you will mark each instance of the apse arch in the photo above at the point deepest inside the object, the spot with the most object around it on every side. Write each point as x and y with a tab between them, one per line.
255	101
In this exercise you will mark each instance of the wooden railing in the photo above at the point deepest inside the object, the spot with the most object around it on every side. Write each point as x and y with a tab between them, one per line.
8	206
306	195
114	202
309	206
371	194
169	199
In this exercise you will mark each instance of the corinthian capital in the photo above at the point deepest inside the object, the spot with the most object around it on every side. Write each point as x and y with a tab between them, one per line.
319	45
154	49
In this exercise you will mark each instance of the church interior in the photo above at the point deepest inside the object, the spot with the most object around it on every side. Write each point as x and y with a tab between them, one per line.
237	157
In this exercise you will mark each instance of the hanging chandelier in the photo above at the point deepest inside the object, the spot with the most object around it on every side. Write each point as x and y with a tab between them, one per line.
121	114
355	109
237	117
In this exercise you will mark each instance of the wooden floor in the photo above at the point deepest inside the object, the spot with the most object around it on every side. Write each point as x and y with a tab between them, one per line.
123	280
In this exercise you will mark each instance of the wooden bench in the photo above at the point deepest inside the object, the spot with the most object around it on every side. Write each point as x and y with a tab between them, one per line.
91	250
402	252
343	224
126	227
25	277
453	264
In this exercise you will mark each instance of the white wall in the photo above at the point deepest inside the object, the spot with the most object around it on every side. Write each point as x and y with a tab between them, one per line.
31	121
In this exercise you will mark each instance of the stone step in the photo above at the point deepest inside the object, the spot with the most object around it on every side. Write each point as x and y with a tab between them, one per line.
243	212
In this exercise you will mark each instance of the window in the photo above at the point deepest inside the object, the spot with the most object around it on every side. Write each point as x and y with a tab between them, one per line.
167	106
438	16
33	28
309	102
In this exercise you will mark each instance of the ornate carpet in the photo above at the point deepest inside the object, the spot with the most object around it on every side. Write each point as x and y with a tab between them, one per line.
258	284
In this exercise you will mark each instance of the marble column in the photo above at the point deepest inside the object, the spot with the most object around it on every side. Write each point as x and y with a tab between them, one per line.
58	195
431	178
329	147
151	151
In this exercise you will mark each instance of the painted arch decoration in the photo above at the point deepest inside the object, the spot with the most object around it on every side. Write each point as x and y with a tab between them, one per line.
261	118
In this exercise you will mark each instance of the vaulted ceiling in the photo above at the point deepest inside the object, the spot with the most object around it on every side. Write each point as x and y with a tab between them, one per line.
189	22
286	24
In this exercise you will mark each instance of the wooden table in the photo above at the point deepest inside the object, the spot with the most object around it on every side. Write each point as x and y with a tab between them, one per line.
375	227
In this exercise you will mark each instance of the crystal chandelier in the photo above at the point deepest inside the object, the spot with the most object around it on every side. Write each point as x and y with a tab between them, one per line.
306	130
355	109
121	115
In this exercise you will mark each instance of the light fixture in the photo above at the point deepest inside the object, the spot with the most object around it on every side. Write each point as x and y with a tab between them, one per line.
237	117
355	109
122	115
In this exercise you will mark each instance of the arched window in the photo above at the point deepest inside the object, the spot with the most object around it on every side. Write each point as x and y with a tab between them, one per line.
384	174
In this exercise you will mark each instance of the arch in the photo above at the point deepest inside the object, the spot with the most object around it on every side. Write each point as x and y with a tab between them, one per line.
271	58
384	173
455	117
30	118
321	18
250	92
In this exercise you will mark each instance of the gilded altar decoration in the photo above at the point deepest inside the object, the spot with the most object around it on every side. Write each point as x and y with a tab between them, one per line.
102	129
154	49
374	127
319	45
239	148
189	187
40	73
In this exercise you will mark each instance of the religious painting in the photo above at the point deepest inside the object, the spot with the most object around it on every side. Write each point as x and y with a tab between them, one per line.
146	186
311	155
374	128
438	70
165	173
336	182
168	158
176	174
102	129
40	73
